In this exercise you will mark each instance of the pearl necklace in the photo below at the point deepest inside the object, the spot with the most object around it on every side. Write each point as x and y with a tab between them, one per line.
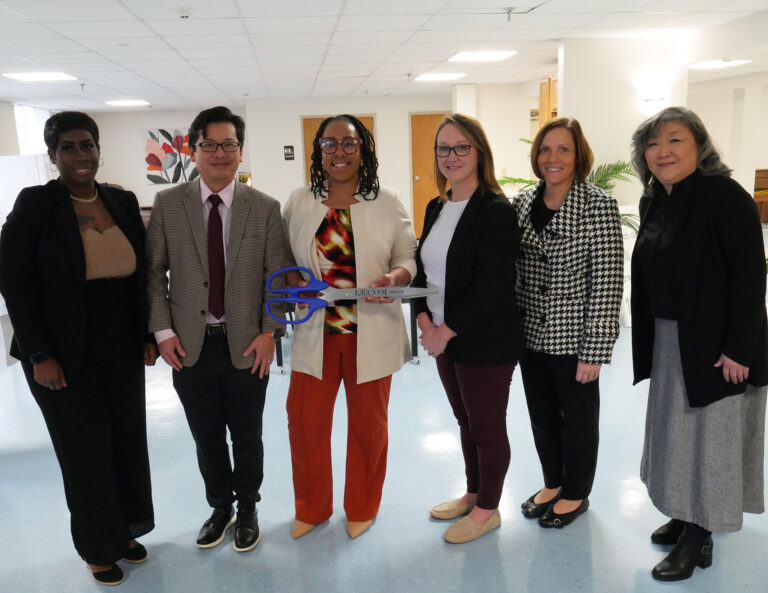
90	200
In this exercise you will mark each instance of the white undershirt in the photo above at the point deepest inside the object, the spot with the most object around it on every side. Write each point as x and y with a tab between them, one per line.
434	252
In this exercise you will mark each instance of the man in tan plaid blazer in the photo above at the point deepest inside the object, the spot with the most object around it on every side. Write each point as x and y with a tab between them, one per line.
220	359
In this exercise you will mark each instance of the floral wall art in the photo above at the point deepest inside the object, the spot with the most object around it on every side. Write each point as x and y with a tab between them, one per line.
167	157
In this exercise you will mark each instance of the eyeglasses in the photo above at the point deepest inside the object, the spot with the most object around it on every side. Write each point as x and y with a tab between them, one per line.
229	146
349	145
443	151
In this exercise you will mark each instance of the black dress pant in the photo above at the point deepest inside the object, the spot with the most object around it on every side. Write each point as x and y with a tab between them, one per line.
565	421
217	396
98	429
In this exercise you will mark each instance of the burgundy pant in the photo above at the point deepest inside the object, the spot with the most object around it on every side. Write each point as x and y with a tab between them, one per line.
479	396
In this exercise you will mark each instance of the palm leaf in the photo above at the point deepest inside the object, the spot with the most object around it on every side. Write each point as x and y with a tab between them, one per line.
606	175
522	181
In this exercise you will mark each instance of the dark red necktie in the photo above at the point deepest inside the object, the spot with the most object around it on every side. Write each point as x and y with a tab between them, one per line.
215	259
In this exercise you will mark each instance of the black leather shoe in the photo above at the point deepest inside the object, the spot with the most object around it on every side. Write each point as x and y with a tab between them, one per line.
669	533
213	530
532	510
246	531
684	558
552	519
112	576
136	555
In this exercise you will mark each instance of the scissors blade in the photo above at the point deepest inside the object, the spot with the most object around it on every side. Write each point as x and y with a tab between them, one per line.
385	292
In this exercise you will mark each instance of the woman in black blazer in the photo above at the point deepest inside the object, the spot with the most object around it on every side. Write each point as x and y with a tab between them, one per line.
73	277
569	286
467	251
699	332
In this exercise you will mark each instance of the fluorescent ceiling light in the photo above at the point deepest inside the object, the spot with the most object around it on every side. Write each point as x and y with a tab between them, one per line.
127	103
39	76
717	64
482	56
439	76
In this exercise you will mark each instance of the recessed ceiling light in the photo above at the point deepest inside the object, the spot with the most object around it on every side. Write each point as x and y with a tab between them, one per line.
717	64
39	76
439	76
482	56
127	103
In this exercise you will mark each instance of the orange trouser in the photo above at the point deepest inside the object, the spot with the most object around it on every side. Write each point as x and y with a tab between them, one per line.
310	418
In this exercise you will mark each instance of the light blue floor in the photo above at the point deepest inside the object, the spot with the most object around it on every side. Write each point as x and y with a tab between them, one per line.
607	550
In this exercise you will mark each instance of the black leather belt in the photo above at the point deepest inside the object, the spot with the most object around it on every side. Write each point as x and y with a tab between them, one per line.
216	329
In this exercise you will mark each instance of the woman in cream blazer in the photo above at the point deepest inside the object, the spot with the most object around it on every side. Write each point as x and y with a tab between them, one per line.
349	232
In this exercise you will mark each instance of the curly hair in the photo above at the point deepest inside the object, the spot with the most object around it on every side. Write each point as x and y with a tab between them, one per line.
368	178
709	162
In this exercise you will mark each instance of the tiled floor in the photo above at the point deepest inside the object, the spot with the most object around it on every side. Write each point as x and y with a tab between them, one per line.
607	550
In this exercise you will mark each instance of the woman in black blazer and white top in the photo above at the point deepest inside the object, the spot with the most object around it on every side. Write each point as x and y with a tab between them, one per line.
569	287
467	251
74	281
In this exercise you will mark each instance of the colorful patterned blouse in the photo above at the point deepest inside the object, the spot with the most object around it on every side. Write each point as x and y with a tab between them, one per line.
335	246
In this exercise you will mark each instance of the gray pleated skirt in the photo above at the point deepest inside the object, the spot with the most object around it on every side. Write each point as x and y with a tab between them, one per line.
702	465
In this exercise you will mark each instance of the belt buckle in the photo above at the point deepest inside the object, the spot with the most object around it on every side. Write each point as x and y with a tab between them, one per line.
216	329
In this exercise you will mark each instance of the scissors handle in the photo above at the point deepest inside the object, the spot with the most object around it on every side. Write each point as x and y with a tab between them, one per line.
313	303
313	284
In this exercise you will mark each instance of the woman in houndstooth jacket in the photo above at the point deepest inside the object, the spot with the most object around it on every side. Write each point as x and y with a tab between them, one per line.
569	288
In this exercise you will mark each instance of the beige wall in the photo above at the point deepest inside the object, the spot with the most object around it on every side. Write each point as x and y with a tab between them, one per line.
9	143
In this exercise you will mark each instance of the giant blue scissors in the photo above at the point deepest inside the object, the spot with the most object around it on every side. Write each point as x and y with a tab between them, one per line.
327	295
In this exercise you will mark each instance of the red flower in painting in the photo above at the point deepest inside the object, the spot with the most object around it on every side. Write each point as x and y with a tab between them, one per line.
168	148
155	164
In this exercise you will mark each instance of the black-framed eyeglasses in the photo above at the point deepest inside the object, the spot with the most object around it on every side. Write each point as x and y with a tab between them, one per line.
228	146
443	151
349	145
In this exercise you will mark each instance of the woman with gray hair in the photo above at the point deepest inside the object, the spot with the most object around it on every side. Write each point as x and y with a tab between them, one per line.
699	333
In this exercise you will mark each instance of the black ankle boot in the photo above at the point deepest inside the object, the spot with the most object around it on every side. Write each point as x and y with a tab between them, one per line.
694	548
669	533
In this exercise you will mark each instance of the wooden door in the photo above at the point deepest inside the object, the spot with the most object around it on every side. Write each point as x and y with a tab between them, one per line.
423	188
309	126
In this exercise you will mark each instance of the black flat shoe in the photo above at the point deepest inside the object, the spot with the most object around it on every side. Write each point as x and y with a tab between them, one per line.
552	519
215	527
669	533
136	555
247	534
110	577
683	559
533	510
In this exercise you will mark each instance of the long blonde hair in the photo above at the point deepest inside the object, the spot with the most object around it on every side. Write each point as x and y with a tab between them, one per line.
472	131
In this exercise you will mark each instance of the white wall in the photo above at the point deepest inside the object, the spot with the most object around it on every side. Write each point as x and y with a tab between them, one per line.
9	143
504	111
735	113
123	136
273	124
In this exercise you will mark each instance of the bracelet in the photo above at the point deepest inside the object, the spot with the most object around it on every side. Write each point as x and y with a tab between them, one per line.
268	334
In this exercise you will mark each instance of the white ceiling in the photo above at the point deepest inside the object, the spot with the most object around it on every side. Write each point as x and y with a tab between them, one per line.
231	51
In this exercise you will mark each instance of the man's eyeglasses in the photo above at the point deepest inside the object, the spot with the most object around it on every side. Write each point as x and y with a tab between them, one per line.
443	151
349	145
229	146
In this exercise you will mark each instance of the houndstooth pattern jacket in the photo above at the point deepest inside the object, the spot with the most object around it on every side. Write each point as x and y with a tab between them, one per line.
570	277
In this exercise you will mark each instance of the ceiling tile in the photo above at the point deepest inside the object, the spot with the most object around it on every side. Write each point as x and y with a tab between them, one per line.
69	10
291	25
357	37
91	29
288	39
392	7
382	23
180	27
123	43
294	8
150	10
208	41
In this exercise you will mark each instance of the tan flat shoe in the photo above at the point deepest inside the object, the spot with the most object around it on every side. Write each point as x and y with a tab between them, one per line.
465	530
450	510
299	528
358	528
